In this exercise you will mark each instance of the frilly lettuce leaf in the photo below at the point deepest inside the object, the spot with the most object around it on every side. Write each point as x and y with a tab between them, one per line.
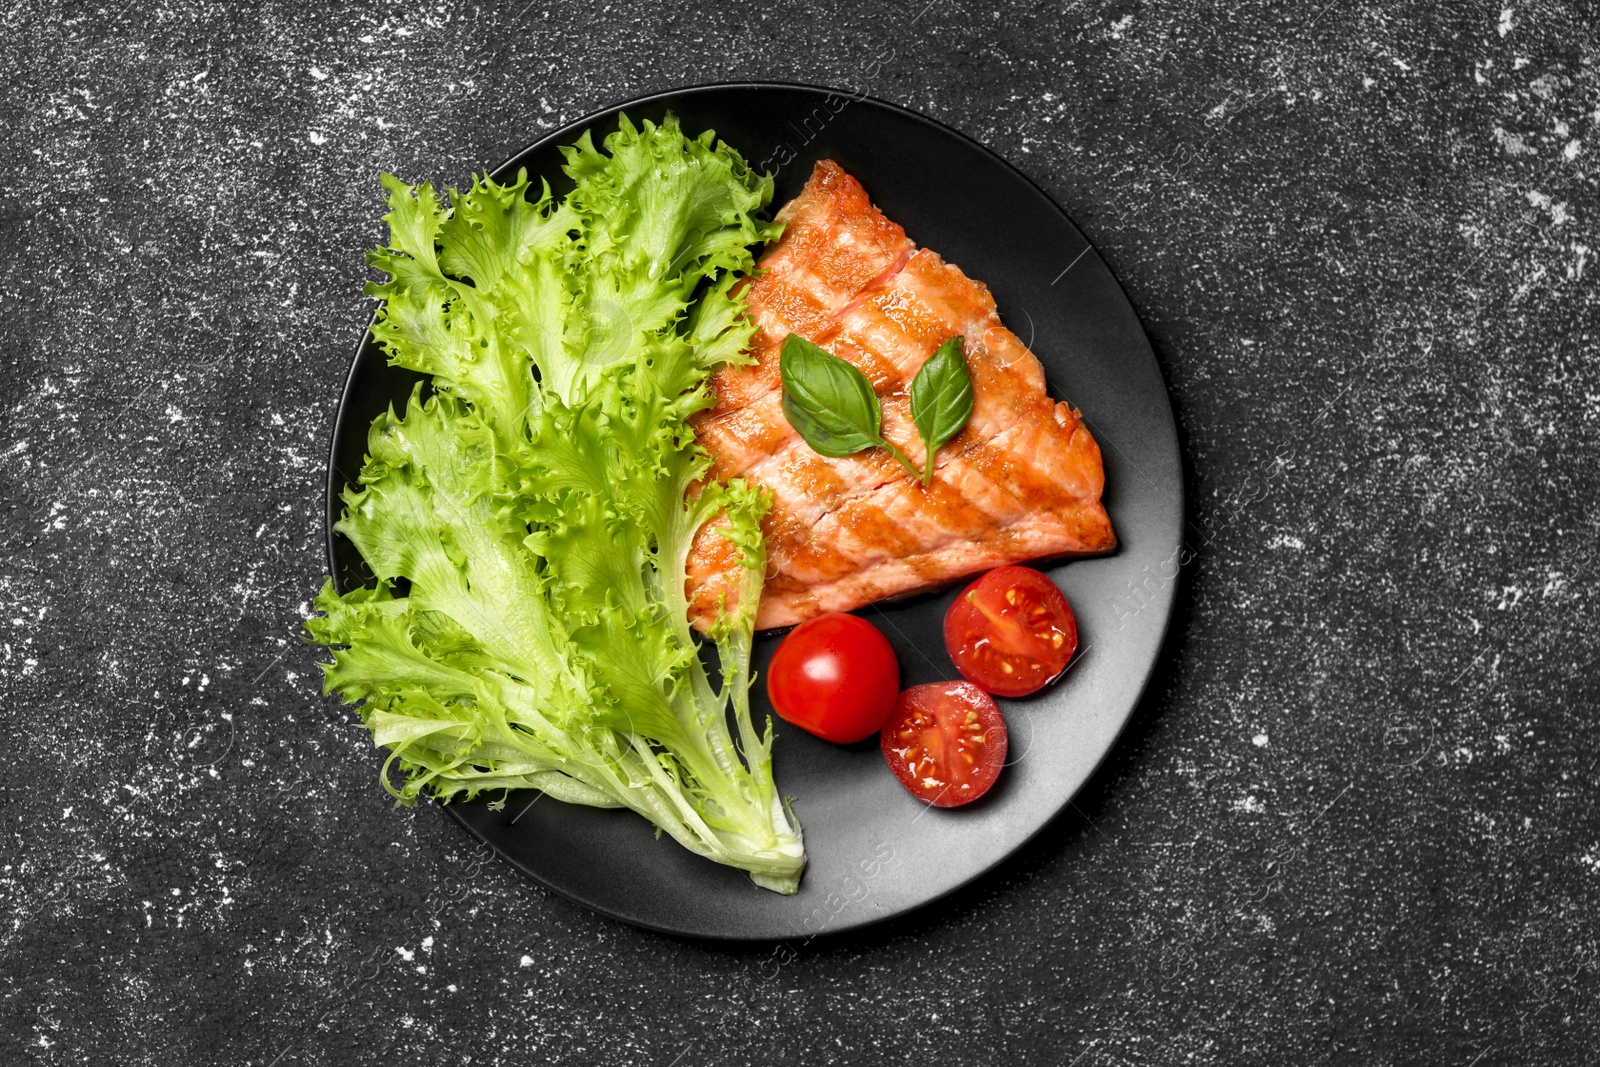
536	502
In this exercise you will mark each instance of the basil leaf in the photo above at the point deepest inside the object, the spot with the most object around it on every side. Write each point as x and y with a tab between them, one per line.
941	400
826	400
831	404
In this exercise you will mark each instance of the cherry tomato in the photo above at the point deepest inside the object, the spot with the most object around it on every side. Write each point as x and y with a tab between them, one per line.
946	742
835	676
1011	632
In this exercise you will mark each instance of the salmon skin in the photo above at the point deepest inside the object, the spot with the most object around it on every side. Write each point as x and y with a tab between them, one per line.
1021	481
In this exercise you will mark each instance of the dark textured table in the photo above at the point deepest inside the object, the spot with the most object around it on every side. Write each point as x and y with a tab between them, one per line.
1354	821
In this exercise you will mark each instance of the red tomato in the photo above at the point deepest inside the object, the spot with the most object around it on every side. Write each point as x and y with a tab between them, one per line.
946	742
1011	632
835	676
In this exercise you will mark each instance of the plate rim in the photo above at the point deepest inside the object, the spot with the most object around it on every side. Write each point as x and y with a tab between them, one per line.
335	481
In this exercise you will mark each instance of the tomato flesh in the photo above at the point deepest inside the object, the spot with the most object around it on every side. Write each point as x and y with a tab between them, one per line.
835	676
1011	632
946	742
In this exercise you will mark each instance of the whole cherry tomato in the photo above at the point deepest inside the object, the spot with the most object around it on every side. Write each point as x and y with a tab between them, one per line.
835	676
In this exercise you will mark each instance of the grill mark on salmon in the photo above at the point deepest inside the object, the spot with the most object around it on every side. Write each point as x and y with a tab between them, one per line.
1021	481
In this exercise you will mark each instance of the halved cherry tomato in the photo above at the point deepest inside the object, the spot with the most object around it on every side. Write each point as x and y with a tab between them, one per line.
835	676
1011	632
946	742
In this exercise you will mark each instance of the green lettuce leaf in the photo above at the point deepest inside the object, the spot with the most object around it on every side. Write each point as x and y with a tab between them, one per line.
536	502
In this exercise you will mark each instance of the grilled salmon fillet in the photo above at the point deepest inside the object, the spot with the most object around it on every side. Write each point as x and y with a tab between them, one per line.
1021	481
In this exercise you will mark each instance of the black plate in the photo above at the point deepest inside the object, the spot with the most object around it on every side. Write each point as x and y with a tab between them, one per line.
874	851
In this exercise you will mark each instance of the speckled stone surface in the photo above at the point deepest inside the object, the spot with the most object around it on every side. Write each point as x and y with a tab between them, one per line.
1354	823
